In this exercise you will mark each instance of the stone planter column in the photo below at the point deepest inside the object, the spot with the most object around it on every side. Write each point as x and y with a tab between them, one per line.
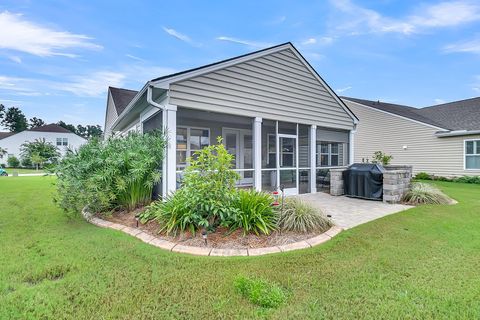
337	187
396	182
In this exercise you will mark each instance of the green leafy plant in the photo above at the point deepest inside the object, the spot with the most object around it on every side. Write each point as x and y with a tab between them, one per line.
105	175
299	216
255	212
13	162
206	194
468	179
424	193
382	158
39	152
260	292
423	176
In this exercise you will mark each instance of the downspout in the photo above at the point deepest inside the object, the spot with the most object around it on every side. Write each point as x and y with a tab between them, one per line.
153	103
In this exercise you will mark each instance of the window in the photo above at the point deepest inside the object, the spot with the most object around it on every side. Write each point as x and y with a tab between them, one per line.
190	140
62	141
472	154
329	154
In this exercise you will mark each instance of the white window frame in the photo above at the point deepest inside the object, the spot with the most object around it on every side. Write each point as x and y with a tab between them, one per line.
329	154
189	150
475	142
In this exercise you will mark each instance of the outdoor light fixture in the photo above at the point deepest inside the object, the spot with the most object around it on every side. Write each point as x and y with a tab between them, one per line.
137	217
405	147
204	235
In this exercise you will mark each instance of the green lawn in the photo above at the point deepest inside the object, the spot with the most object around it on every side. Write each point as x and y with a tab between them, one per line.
22	170
422	263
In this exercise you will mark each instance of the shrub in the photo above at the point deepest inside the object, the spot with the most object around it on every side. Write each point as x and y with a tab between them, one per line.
299	216
207	192
26	162
106	175
382	158
39	152
260	292
423	176
13	162
255	212
468	179
423	193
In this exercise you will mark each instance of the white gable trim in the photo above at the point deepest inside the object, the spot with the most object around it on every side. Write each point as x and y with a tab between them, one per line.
396	115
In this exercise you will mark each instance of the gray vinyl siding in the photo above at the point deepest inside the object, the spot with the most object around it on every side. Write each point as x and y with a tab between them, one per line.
110	117
277	86
380	131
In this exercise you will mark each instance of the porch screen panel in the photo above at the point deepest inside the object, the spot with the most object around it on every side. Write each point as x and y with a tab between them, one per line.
269	142
153	123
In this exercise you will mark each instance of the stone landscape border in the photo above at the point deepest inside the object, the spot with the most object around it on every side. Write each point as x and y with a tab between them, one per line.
206	251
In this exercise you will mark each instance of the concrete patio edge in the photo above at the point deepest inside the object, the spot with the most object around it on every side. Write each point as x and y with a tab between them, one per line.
208	251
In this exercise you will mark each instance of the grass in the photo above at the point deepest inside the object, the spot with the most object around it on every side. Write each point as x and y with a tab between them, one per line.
22	170
421	263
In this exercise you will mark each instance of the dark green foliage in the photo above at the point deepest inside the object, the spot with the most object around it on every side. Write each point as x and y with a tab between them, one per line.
423	176
88	131
13	119
35	123
300	216
13	162
254	212
26	163
468	179
260	292
105	175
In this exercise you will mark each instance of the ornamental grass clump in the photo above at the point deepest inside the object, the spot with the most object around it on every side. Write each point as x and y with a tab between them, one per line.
118	173
299	216
424	193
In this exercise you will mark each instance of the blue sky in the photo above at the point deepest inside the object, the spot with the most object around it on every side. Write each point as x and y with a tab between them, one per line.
57	58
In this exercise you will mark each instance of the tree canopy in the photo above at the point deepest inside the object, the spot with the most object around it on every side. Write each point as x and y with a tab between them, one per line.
13	119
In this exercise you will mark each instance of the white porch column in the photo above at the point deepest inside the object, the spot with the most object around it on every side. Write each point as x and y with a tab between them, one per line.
170	176
351	149
257	153
313	160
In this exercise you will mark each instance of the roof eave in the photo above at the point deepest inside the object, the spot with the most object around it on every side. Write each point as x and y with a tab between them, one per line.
456	133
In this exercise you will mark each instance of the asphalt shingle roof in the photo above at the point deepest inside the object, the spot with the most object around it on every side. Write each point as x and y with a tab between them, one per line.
121	98
398	109
52	127
457	115
4	135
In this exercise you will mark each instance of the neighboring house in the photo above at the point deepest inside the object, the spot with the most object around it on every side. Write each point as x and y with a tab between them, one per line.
117	101
53	133
279	118
443	140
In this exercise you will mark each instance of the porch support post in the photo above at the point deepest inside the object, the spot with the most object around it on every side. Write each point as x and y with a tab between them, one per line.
170	175
351	149
257	153
313	162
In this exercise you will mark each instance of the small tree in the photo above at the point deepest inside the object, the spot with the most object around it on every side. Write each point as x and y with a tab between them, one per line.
380	157
14	120
13	162
43	151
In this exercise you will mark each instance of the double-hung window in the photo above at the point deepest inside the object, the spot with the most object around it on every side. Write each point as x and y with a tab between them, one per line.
328	154
472	154
190	140
62	142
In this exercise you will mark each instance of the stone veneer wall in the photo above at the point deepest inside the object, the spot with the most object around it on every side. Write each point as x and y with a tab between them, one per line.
396	181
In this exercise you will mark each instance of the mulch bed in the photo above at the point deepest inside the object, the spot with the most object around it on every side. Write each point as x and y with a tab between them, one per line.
221	238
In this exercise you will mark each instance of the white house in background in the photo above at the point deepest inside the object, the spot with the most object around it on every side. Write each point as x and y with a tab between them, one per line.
58	136
279	118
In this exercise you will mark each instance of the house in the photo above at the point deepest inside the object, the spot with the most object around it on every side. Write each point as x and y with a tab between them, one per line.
53	133
279	118
442	140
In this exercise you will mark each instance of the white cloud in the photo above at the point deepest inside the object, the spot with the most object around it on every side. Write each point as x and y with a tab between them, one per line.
321	41
472	46
309	41
439	101
278	20
16	59
359	20
131	56
250	43
19	34
94	84
476	85
180	36
343	89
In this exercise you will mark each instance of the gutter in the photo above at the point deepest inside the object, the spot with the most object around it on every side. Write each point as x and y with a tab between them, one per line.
456	133
150	99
